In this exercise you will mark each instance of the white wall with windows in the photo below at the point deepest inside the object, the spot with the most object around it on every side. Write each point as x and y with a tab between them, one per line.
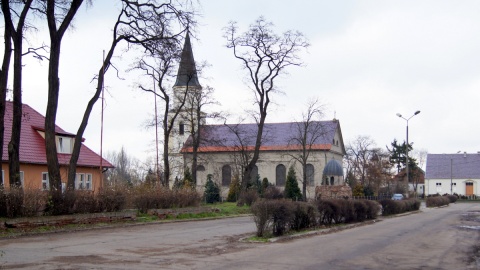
449	186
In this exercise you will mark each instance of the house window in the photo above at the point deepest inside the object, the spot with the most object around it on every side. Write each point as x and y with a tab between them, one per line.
88	183
22	175
181	128
45	184
64	145
226	175
280	175
310	172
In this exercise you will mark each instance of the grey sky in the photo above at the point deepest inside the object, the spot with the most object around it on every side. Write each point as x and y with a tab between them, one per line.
368	60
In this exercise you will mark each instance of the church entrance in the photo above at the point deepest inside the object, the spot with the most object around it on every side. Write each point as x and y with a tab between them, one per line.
469	188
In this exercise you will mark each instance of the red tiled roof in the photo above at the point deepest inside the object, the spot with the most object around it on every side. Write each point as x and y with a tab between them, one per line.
32	144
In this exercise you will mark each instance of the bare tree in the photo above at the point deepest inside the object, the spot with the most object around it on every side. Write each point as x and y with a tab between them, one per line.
306	134
265	56
17	35
159	65
144	24
59	17
195	117
359	154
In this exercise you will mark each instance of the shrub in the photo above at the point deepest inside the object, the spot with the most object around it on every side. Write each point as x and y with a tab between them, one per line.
437	201
272	193
212	191
233	190
360	208
304	216
391	207
262	215
110	200
282	216
329	211
373	208
358	191
34	201
60	203
248	197
452	198
84	202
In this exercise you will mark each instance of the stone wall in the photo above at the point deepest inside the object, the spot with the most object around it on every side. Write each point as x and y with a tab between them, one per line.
333	192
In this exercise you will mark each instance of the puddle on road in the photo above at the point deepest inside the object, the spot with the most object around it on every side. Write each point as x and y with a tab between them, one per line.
470	227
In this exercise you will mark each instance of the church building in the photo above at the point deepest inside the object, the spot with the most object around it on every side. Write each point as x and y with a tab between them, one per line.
223	149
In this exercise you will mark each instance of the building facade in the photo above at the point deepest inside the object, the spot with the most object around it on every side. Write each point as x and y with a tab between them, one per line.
453	174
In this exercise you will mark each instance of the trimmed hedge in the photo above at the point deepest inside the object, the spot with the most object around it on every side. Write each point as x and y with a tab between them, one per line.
437	201
277	217
392	207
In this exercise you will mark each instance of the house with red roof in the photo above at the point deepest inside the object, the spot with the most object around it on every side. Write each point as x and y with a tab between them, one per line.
33	158
453	173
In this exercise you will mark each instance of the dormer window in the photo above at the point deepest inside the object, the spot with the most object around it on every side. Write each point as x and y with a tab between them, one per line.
64	145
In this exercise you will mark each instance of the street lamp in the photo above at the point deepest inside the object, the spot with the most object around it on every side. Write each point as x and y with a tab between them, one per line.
406	119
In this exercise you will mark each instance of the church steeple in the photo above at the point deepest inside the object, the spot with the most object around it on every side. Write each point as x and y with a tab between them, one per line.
187	72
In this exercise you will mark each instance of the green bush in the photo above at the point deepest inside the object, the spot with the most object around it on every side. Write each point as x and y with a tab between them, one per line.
233	190
262	215
391	207
452	198
212	191
360	208
373	208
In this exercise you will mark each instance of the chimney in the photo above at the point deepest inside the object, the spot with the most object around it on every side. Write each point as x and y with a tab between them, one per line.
464	154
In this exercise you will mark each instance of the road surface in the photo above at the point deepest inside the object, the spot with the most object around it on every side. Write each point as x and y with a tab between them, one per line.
442	238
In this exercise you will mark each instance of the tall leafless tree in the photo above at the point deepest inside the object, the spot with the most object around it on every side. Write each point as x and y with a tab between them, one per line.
20	10
359	154
144	24
306	134
264	55
195	116
59	14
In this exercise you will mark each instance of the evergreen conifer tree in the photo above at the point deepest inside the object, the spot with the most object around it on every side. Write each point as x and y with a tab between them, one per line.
212	191
292	191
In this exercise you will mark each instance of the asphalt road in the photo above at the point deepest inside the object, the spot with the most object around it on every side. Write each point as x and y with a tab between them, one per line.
443	238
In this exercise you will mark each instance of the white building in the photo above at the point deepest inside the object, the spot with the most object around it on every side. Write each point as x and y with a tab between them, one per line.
453	173
221	146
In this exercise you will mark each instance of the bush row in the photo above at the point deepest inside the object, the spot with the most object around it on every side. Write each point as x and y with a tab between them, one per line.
276	217
438	201
392	207
32	202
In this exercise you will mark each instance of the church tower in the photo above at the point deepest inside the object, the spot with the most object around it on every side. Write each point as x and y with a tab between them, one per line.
184	91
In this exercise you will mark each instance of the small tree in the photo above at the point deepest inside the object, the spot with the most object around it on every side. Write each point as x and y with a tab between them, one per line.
292	191
358	191
212	191
234	190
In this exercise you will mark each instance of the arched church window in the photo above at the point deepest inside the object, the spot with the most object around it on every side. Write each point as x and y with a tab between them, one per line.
254	174
280	175
332	181
200	168
310	172
181	128
226	175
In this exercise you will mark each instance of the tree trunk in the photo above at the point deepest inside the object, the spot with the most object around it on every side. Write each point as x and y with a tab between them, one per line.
4	80
72	168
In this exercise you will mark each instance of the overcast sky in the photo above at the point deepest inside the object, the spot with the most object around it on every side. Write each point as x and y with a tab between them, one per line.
368	61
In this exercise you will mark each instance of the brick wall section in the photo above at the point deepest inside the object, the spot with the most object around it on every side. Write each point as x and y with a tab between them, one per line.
333	192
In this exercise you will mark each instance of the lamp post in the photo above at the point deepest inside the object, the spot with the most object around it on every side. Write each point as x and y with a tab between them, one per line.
406	156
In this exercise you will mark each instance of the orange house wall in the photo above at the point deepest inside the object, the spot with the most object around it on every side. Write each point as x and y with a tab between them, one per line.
32	175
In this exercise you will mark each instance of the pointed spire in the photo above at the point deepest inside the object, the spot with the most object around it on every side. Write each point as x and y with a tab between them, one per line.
187	72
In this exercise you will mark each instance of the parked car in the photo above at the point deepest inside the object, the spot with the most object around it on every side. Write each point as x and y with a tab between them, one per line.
397	197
